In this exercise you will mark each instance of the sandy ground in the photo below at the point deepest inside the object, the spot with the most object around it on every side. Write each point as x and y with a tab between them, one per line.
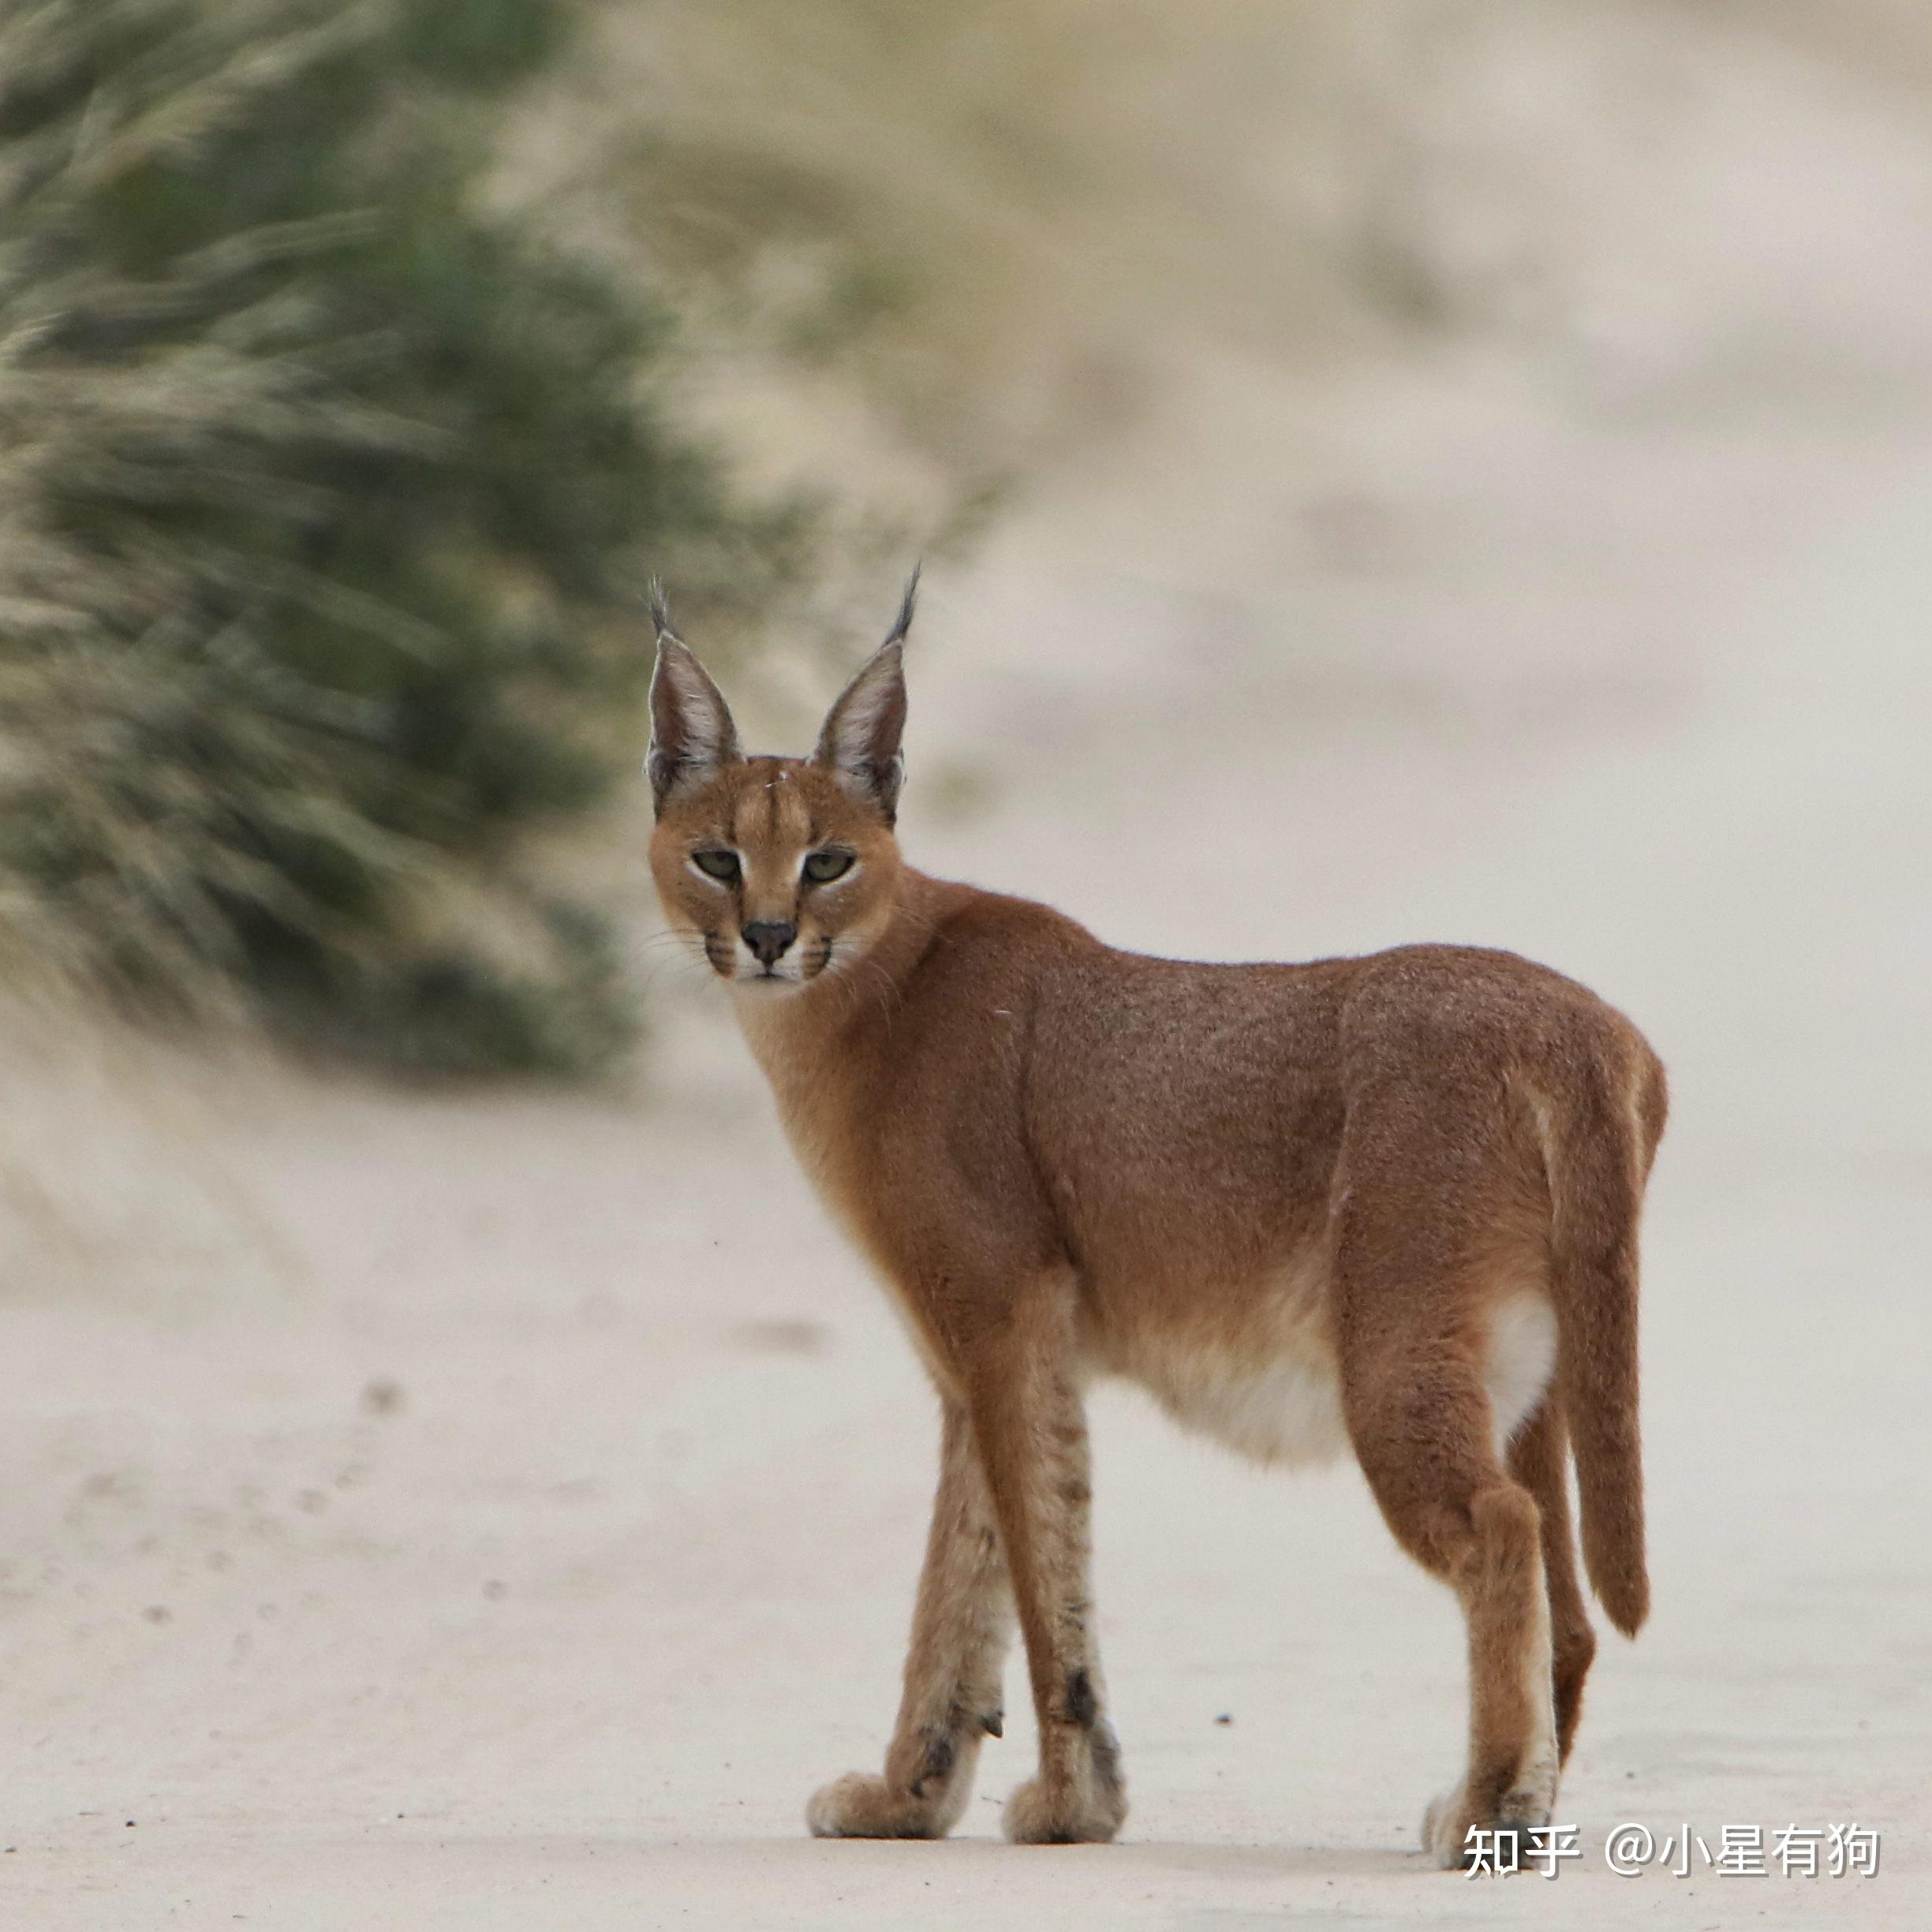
502	1512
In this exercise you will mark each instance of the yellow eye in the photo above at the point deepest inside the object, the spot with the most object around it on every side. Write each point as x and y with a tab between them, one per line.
821	868
717	863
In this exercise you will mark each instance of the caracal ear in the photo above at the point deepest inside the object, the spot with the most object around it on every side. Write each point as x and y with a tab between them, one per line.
692	734
860	743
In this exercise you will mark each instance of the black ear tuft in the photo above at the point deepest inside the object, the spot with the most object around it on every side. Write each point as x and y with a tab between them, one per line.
661	609
902	626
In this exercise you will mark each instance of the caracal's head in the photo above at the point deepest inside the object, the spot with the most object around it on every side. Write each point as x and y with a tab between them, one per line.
784	868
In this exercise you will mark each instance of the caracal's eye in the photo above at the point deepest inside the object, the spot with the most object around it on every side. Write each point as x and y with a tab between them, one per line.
715	862
822	868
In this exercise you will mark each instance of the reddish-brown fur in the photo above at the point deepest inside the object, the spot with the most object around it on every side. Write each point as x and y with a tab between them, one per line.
1359	1195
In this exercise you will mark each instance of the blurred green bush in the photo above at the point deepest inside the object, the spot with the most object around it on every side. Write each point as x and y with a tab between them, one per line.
324	502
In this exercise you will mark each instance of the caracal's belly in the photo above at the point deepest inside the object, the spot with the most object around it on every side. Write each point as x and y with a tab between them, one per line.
1264	1379
1258	1373
1288	1410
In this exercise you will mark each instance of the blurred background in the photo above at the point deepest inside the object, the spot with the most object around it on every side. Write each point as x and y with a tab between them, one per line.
1404	471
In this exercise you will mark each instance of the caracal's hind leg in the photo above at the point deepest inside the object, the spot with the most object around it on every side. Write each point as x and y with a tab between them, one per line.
962	1627
1421	1434
1538	1458
1415	1290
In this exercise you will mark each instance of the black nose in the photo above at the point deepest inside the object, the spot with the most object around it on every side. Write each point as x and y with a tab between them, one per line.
768	938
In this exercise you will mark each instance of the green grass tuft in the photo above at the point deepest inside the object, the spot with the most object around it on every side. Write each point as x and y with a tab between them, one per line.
324	501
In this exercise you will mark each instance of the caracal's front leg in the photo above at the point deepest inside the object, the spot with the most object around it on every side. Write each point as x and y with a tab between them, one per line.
1031	1429
962	1627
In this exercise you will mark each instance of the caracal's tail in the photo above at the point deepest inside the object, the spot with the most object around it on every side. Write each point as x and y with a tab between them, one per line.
1600	1136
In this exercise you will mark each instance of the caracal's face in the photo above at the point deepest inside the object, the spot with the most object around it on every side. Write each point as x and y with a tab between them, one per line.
783	875
783	869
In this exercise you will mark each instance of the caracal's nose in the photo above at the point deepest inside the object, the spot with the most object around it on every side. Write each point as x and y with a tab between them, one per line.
769	938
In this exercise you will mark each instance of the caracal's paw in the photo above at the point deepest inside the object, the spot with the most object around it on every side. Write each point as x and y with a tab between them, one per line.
861	1805
1451	1818
1445	1828
1088	1807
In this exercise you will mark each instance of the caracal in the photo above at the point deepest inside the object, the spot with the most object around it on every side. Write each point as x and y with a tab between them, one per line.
1387	1204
